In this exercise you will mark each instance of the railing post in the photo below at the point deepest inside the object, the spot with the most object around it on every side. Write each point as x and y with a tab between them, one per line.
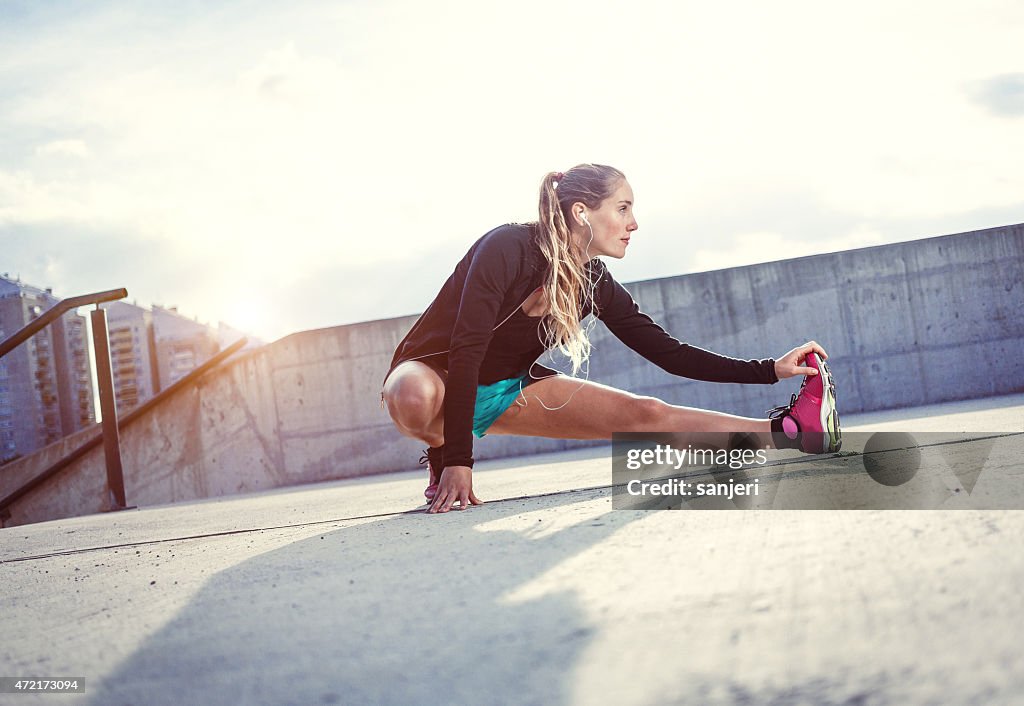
108	408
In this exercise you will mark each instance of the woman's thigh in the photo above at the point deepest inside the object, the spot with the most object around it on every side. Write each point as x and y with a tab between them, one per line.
561	407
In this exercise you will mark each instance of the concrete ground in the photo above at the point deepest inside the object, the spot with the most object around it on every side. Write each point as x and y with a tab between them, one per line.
347	593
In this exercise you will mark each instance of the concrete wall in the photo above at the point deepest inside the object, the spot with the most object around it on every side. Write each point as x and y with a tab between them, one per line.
906	324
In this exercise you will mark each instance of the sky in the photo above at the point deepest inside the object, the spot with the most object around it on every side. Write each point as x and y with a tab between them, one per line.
289	166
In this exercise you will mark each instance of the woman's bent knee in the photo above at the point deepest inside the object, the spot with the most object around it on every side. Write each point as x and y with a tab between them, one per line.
413	396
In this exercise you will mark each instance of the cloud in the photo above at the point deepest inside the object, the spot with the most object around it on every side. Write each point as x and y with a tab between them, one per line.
74	259
68	148
1001	95
257	296
329	163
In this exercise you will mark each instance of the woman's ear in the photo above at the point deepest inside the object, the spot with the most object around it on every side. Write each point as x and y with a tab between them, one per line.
579	214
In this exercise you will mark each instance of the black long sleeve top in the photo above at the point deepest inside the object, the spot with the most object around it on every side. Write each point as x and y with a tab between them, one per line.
496	276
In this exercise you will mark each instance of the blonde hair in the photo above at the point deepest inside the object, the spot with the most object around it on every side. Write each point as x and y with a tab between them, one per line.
567	288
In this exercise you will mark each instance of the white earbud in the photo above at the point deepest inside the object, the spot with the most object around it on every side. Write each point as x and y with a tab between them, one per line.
583	217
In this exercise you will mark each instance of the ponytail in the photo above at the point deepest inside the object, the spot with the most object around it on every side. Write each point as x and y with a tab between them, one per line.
567	286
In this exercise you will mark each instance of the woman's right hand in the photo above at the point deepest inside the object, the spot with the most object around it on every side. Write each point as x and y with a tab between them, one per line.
795	362
456	486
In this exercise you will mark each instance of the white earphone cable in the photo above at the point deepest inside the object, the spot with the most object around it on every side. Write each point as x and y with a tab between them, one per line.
587	329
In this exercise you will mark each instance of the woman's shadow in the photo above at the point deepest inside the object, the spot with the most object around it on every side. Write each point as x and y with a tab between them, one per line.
404	609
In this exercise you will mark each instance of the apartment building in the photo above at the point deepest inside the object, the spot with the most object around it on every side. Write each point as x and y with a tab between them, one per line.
46	389
132	354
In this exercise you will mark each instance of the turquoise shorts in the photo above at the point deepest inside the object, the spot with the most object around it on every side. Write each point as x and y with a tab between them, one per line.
492	401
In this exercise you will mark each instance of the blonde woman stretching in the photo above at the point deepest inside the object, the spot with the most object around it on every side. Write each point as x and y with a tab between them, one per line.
468	365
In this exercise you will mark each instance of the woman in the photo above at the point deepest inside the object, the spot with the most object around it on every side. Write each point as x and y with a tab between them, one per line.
468	365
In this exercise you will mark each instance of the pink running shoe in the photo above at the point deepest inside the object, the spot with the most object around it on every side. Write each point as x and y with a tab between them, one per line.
433	460
811	414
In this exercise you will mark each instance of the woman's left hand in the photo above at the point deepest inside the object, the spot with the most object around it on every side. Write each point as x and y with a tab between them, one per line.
456	485
793	362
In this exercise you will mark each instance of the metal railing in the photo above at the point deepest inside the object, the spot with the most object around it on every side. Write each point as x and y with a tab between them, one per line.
111	447
65	462
55	312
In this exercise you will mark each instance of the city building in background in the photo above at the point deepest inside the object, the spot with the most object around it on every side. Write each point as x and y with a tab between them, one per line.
182	344
151	349
132	354
46	389
46	383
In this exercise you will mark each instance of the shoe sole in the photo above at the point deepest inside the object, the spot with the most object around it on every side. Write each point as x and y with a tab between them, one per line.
829	414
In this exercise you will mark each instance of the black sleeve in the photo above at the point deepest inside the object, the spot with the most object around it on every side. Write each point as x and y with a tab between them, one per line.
621	314
492	271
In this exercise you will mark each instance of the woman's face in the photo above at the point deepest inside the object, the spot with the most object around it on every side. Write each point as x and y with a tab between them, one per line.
612	223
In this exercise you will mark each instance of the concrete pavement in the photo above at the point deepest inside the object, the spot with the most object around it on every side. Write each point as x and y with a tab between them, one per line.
344	593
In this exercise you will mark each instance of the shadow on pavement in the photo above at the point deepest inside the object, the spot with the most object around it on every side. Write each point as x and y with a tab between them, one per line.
406	609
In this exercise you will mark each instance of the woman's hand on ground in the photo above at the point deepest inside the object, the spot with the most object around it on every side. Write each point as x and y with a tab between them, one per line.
456	486
793	362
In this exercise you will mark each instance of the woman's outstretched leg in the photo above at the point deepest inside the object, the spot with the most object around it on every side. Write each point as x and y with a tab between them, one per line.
566	408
